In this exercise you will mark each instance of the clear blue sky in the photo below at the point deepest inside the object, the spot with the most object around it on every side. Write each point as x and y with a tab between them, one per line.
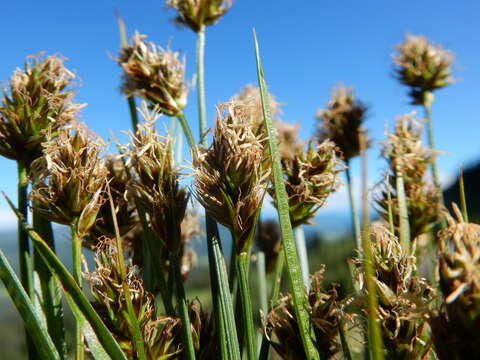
307	47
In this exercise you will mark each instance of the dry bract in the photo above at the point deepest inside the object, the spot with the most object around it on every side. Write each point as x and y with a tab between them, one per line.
39	100
156	184
341	122
405	152
324	310
422	66
403	298
69	180
230	180
310	177
154	74
455	328
197	14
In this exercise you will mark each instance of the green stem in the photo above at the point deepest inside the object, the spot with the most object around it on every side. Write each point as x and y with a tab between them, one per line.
183	309
463	201
389	207
431	142
133	113
353	207
299	235
24	256
133	323
202	113
188	133
404	232
52	296
77	275
246	303
262	288
374	333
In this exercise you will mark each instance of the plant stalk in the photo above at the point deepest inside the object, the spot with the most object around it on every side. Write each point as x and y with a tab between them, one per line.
200	55
246	304
299	235
183	309
24	255
77	275
353	207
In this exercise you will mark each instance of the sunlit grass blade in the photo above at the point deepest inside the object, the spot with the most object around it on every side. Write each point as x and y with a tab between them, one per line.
34	325
463	201
133	321
404	231
293	266
69	286
374	335
222	300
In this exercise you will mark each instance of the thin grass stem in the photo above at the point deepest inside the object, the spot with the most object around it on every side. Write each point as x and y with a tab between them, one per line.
463	201
200	55
77	275
353	206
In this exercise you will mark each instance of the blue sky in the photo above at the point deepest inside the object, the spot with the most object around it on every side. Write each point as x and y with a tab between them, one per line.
307	47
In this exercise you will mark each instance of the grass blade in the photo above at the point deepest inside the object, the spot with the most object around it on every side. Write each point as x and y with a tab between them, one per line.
70	286
463	201
222	300
293	266
404	232
35	327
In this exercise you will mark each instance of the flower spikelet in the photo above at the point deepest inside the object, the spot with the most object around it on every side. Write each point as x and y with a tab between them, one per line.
342	121
156	184
39	99
404	299
69	180
405	152
455	328
324	310
199	13
230	180
310	177
154	74
422	66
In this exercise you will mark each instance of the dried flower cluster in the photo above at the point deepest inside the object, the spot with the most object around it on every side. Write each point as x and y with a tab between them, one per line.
342	121
325	312
69	180
39	101
406	154
230	180
156	184
455	328
197	14
422	66
310	177
268	241
154	74
403	298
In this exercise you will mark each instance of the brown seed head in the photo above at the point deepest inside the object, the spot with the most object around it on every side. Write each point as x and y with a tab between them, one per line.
456	327
197	14
422	66
154	74
310	177
403	299
405	152
230	180
342	120
39	99
156	184
69	180
324	310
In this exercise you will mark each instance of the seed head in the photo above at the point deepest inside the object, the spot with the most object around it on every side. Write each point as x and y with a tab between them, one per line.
422	66
197	14
230	180
69	180
405	152
39	99
403	298
455	328
154	74
156	184
324	310
310	177
342	120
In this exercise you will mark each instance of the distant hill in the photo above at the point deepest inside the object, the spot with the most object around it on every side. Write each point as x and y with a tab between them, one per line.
471	179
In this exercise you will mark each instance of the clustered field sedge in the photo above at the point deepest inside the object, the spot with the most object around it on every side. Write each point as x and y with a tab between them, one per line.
134	209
